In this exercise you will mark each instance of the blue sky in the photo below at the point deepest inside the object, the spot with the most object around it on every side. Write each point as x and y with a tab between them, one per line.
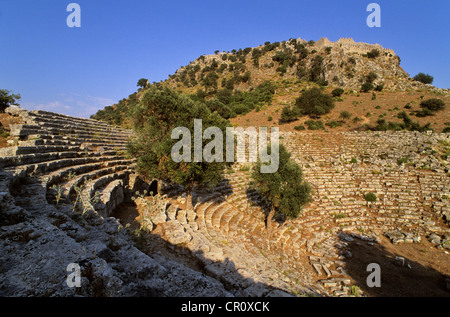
77	71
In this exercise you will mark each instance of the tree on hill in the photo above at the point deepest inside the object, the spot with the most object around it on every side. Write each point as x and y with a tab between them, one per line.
373	53
285	190
142	83
314	103
161	113
7	99
424	78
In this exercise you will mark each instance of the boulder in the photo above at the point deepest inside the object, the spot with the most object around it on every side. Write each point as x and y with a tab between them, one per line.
175	233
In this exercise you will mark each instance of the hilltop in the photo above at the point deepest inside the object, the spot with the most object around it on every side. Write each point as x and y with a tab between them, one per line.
254	84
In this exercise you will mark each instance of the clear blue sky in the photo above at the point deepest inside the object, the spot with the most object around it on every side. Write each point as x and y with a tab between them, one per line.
77	71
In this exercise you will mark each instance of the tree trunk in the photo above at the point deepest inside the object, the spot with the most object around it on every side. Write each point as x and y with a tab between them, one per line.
269	222
188	204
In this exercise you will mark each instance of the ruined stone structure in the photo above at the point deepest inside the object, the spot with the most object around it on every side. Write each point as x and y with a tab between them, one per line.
57	188
348	45
61	162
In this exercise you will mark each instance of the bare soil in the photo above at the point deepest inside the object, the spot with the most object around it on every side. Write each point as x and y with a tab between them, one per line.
387	104
423	275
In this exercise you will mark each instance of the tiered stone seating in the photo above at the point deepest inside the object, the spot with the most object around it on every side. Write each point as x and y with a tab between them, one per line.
342	168
84	159
69	153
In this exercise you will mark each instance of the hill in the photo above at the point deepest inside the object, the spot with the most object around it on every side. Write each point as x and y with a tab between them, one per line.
242	83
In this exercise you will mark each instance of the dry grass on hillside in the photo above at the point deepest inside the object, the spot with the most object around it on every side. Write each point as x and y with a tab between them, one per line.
387	104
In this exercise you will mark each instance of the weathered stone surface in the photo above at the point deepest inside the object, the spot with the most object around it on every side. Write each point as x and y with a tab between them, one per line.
175	232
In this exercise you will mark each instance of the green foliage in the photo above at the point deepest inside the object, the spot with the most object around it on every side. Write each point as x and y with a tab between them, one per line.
210	80
424	113
256	54
402	160
315	125
316	69
424	78
371	77
314	103
301	50
118	113
7	99
370	197
142	82
270	46
366	87
222	109
345	115
288	114
84	203
337	92
433	104
285	189
373	53
160	110
379	87
334	124
299	127
58	192
407	124
285	58
242	102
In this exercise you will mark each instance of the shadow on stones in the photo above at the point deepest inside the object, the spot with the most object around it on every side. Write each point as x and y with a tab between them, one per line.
254	198
233	279
201	195
400	276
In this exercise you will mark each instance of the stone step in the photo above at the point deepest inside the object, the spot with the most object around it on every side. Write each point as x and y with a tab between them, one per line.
69	186
70	169
28	159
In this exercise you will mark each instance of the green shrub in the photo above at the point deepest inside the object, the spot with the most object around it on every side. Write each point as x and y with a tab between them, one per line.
288	114
402	160
424	113
337	92
239	108
370	197
222	109
315	125
345	115
371	77
314	103
316	69
366	87
424	78
373	53
334	124
433	104
299	127
379	87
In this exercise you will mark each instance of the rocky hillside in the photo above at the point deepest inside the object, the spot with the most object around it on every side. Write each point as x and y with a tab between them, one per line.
344	64
273	75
